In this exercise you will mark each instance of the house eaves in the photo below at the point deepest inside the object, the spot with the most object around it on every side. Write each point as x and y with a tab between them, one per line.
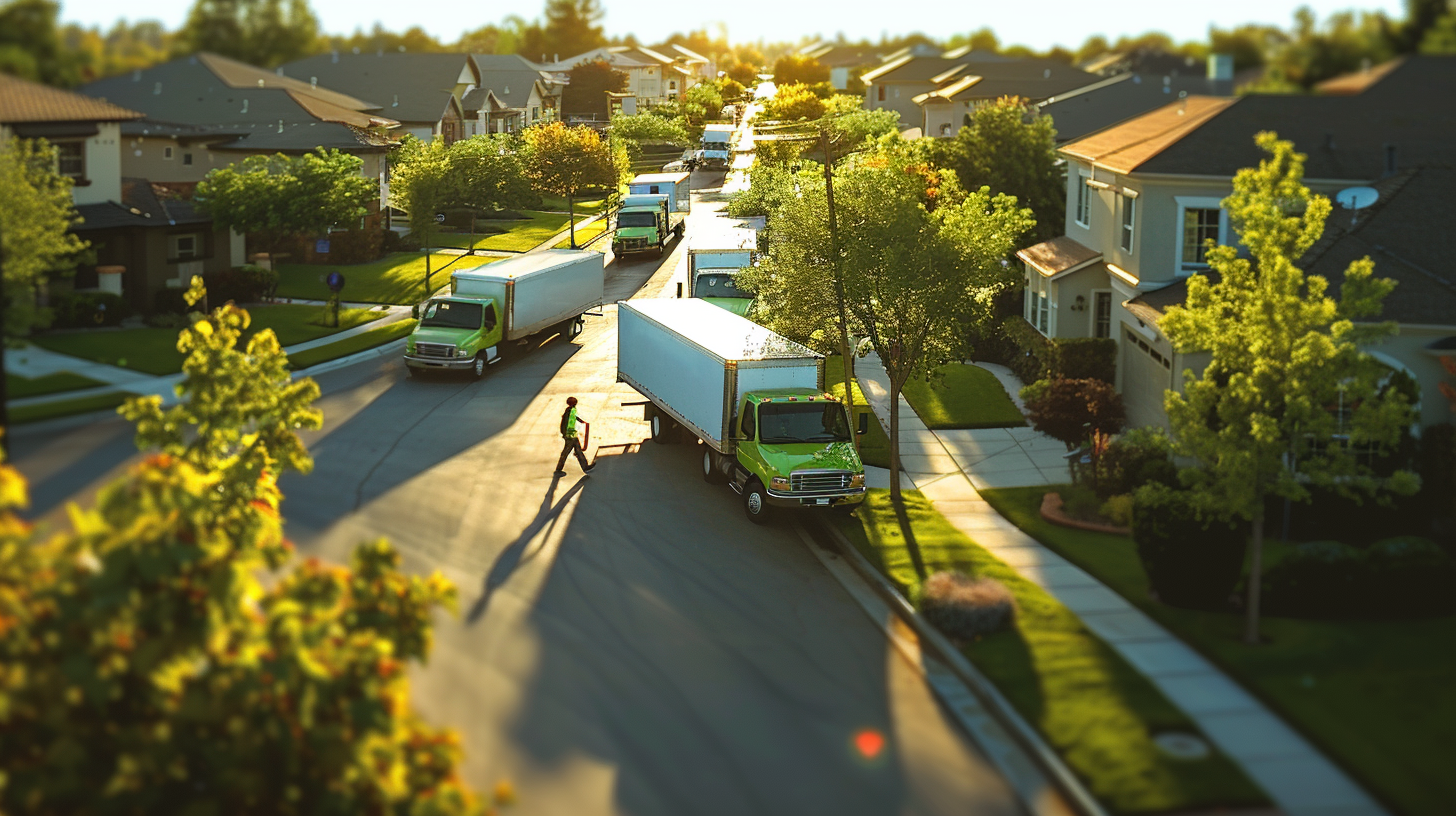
1123	148
875	73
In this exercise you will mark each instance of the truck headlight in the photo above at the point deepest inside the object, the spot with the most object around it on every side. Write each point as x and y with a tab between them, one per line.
856	480
779	483
460	352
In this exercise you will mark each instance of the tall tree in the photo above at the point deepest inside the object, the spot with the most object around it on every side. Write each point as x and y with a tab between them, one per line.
1262	419
35	241
1010	149
488	174
266	33
571	27
148	667
421	183
30	43
568	161
276	199
586	93
792	68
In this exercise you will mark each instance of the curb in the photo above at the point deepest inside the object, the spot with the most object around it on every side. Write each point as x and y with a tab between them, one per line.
384	350
1046	760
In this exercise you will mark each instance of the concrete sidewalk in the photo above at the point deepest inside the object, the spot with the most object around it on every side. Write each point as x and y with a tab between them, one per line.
1300	780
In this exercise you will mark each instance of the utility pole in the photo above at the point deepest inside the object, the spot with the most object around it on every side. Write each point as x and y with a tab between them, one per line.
838	281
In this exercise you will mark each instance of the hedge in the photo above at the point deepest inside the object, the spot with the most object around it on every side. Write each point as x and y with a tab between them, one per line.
1189	562
1036	357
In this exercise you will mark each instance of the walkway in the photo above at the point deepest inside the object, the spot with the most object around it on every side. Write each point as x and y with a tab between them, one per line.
949	466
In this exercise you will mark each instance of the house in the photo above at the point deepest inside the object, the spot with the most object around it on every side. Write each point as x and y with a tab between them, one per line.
936	94
423	92
843	61
513	93
1090	108
1144	195
143	241
700	66
653	77
207	111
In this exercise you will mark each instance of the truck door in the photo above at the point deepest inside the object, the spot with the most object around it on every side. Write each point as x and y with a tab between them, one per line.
749	458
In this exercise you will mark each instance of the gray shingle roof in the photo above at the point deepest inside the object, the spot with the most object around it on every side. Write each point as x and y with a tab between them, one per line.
1091	108
509	76
408	87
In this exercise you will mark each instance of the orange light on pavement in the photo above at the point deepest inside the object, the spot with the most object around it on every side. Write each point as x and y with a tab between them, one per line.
869	743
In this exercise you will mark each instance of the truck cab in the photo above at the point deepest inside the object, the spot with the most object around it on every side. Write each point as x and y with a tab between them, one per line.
796	443
455	334
642	227
718	287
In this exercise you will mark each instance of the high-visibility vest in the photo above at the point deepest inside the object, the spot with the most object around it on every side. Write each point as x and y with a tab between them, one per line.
571	421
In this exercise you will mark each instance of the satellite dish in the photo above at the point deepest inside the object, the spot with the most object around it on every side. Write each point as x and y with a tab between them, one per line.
1357	198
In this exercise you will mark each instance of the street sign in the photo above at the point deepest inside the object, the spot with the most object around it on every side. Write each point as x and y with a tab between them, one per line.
439	218
335	281
321	246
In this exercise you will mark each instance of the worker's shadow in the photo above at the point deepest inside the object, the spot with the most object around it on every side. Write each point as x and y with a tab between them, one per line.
512	556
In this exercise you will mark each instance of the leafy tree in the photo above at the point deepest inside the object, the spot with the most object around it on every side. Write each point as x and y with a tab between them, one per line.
1341	45
35	241
1072	410
743	73
982	39
148	668
572	27
30	43
643	128
422	182
1010	152
489	174
279	198
586	93
1286	378
1440	38
702	103
792	103
568	161
267	33
793	69
1249	45
415	40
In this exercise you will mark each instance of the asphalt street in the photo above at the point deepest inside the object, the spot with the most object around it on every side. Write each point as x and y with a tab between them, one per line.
627	642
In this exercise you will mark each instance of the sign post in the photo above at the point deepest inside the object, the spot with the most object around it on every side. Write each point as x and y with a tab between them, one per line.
335	281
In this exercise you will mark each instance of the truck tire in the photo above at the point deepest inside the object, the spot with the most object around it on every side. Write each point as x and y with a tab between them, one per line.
478	370
755	502
664	430
574	327
711	472
678	230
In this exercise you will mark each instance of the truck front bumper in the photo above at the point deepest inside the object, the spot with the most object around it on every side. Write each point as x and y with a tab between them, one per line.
447	363
778	498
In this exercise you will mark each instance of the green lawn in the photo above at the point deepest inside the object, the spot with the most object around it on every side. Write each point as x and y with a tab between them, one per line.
18	387
398	278
1374	695
377	336
61	408
1089	704
962	396
874	447
512	235
154	351
583	235
590	206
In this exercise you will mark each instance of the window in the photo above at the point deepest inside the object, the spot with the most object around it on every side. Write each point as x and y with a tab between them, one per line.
746	426
71	159
535	112
186	247
1038	305
672	85
1084	200
1101	314
1129	218
489	316
1199	226
187	159
167	153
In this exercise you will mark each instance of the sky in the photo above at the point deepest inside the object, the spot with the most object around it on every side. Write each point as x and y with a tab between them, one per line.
1039	25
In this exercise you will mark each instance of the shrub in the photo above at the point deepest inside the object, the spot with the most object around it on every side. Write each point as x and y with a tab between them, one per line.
1330	514
1140	456
167	320
1084	358
1437	464
964	607
1189	562
80	310
1070	410
1397	577
1118	510
1031	350
170	300
242	284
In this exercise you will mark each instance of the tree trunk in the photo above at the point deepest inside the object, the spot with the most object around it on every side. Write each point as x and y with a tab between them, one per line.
571	218
425	245
1256	569
849	390
894	442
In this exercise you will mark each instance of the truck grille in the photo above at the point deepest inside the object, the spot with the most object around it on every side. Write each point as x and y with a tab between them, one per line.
815	481
633	243
442	350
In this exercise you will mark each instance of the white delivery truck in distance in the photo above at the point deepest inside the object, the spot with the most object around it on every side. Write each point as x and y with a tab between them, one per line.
754	398
506	300
715	144
714	257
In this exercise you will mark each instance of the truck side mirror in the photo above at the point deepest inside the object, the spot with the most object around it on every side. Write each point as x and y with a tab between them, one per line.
864	425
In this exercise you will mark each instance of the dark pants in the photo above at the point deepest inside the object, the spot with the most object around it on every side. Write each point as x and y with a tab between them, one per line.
571	445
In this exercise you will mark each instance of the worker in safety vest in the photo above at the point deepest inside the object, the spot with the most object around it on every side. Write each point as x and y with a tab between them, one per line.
571	444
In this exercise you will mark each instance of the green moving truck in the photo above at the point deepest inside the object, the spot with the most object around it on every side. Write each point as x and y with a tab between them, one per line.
507	300
755	399
653	212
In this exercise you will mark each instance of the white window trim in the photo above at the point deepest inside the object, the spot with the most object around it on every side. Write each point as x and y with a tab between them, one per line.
1084	194
1185	203
1128	224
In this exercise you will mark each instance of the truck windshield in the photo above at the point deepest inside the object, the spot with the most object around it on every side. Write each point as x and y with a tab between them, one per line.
636	219
782	423
451	314
717	286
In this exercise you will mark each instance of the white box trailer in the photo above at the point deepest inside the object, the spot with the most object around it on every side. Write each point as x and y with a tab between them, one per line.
537	290
696	362
721	247
676	186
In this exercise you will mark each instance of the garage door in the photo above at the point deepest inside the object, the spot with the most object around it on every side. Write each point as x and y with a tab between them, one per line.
1146	374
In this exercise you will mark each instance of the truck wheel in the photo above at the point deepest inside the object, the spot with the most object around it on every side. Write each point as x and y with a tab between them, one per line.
679	230
663	432
711	473
478	370
574	328
755	502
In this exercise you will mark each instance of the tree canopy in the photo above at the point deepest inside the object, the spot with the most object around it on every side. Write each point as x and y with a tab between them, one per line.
797	69
571	27
35	241
568	161
265	33
1288	397
586	93
277	198
794	102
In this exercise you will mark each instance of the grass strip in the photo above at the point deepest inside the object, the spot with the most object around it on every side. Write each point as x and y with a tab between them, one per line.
18	387
962	396
377	336
583	235
397	278
507	235
21	415
874	447
1097	711
556	204
1373	695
